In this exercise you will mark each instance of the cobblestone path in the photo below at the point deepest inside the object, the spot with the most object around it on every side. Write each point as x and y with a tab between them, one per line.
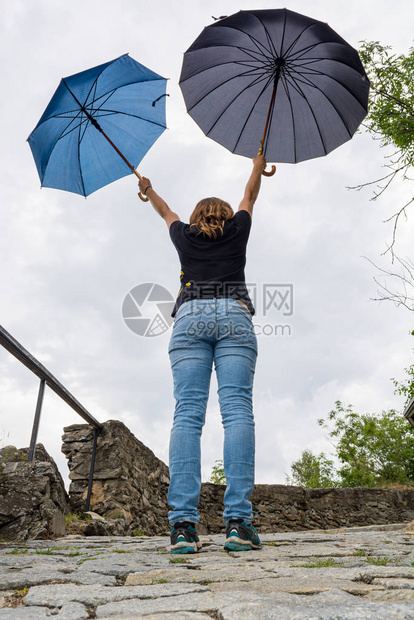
353	573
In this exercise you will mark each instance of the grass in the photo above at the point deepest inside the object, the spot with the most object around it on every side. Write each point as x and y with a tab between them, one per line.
162	580
177	561
18	551
51	550
122	551
320	563
74	517
48	551
379	560
138	532
276	543
361	552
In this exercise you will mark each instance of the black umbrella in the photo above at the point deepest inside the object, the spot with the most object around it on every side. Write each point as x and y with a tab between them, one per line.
278	71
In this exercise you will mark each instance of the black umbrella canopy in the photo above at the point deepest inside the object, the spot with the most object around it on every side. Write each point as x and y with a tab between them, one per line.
276	65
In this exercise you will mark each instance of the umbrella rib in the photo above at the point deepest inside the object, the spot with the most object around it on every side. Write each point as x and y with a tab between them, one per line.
272	47
250	113
257	43
95	82
313	85
313	114
296	61
292	45
153	79
104	97
242	63
250	53
284	32
86	125
67	87
118	112
67	114
62	134
66	132
305	50
80	166
233	77
109	112
85	121
276	53
331	77
284	82
317	124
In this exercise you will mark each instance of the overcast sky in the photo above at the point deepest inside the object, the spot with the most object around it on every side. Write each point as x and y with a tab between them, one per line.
67	263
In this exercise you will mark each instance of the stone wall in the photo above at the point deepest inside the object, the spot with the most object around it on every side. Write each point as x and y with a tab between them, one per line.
280	508
33	500
129	480
132	482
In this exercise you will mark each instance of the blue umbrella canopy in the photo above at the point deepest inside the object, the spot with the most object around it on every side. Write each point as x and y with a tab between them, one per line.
277	74
98	126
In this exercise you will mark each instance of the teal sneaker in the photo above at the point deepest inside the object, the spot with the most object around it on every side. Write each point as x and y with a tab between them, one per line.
184	538
241	536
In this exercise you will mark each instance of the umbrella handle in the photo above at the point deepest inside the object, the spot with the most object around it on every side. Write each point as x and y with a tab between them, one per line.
143	198
269	173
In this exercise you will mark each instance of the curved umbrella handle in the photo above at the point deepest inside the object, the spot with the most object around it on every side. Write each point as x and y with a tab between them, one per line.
143	198
269	173
137	174
260	152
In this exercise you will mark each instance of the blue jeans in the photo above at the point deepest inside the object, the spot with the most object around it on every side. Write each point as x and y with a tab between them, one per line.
206	330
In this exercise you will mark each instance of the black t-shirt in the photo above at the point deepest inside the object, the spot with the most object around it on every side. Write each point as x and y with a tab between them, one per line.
212	267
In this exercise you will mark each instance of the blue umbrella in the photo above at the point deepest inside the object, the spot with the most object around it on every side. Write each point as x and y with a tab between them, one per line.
73	144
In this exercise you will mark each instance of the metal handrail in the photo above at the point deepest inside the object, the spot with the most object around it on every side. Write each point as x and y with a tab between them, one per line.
46	378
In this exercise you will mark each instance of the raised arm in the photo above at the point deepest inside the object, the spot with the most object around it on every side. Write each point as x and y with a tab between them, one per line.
157	202
253	184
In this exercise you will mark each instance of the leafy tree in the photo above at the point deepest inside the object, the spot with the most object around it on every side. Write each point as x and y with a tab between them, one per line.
375	450
390	116
406	388
217	473
311	471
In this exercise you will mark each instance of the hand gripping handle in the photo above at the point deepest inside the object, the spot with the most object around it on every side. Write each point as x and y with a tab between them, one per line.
143	198
265	173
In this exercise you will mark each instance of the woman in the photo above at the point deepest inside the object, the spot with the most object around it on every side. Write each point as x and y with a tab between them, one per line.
213	322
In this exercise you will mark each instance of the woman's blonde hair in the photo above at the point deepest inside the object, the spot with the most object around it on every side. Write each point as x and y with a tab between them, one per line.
210	215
